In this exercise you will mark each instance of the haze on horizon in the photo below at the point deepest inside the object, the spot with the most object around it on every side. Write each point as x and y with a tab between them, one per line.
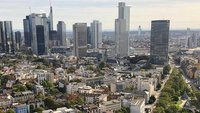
181	13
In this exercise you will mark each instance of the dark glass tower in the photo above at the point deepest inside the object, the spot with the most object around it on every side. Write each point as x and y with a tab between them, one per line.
159	42
18	40
40	39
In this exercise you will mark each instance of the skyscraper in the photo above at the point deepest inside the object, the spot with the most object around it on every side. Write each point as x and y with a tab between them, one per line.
159	42
34	20
6	40
122	26
2	37
61	31
40	33
50	19
96	34
89	38
80	39
18	40
27	32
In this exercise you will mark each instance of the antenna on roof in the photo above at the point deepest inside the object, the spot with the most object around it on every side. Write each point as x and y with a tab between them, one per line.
50	2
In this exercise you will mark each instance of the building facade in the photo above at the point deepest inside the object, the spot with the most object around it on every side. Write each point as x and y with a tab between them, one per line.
6	37
96	34
159	42
61	30
35	23
122	26
80	39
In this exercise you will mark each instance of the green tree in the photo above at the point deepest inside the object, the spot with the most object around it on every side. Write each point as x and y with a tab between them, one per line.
19	88
39	110
49	102
159	110
166	69
101	65
10	111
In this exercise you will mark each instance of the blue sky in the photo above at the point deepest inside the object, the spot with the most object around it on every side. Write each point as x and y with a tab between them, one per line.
182	13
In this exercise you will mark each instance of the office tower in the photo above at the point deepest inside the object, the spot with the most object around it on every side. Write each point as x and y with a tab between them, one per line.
2	37
53	39
139	31
159	42
124	13
61	31
122	30
18	39
89	38
40	33
35	20
188	34
7	40
50	19
192	41
80	39
27	32
96	34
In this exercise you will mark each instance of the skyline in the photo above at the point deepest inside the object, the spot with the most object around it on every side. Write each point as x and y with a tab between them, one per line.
181	13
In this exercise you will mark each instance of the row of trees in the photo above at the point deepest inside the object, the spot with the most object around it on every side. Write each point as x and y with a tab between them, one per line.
173	90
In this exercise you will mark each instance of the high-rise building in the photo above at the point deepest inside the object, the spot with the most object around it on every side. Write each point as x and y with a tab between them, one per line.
27	32
28	28
2	37
139	31
80	39
61	31
33	21
18	39
159	42
40	33
7	40
122	26
192	41
96	34
50	19
53	39
89	38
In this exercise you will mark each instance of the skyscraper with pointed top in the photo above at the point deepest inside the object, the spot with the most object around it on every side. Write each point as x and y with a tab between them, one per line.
50	18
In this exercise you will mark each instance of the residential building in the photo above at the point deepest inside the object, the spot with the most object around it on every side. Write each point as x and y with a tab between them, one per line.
22	108
110	106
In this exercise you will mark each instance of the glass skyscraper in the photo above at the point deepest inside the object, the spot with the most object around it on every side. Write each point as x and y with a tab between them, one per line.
159	42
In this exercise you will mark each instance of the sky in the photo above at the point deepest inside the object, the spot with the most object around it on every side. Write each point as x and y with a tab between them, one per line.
181	13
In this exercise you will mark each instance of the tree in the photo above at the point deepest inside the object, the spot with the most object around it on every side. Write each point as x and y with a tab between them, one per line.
39	110
172	109
101	65
49	102
166	69
10	111
159	110
29	86
2	111
19	88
